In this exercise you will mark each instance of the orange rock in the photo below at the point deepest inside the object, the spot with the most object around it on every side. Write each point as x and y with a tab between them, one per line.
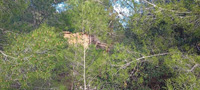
85	40
77	38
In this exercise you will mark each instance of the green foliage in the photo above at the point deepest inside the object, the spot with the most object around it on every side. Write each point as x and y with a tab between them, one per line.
165	29
89	16
11	12
158	50
184	81
62	21
36	55
39	11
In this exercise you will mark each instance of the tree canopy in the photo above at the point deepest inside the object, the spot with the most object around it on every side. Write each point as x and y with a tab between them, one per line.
158	49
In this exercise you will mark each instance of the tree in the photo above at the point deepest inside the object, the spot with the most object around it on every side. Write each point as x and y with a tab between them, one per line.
32	59
11	11
158	49
163	27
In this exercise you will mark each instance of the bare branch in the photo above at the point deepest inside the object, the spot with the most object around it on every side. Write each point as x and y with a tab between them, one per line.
192	69
152	56
1	29
7	55
53	88
163	8
127	64
150	3
84	74
6	31
110	23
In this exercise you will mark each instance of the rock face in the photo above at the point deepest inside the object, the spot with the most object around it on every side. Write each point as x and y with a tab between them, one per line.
77	38
85	40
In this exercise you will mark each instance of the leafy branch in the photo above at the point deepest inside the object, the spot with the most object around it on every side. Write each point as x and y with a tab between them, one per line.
163	8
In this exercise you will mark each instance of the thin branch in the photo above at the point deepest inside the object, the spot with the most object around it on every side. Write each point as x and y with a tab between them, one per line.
84	74
1	29
98	1
152	56
192	69
110	23
54	88
120	13
163	8
127	64
6	31
150	3
7	55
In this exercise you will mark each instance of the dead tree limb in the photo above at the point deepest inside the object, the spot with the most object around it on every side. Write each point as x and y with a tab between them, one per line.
163	8
127	64
192	69
7	55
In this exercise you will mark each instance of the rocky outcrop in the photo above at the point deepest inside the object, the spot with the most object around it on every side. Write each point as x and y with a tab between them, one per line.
85	40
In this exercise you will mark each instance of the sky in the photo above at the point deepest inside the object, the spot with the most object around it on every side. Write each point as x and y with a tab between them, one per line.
120	7
124	10
60	7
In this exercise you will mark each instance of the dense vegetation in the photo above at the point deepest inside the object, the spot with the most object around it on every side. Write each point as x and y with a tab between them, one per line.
158	49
